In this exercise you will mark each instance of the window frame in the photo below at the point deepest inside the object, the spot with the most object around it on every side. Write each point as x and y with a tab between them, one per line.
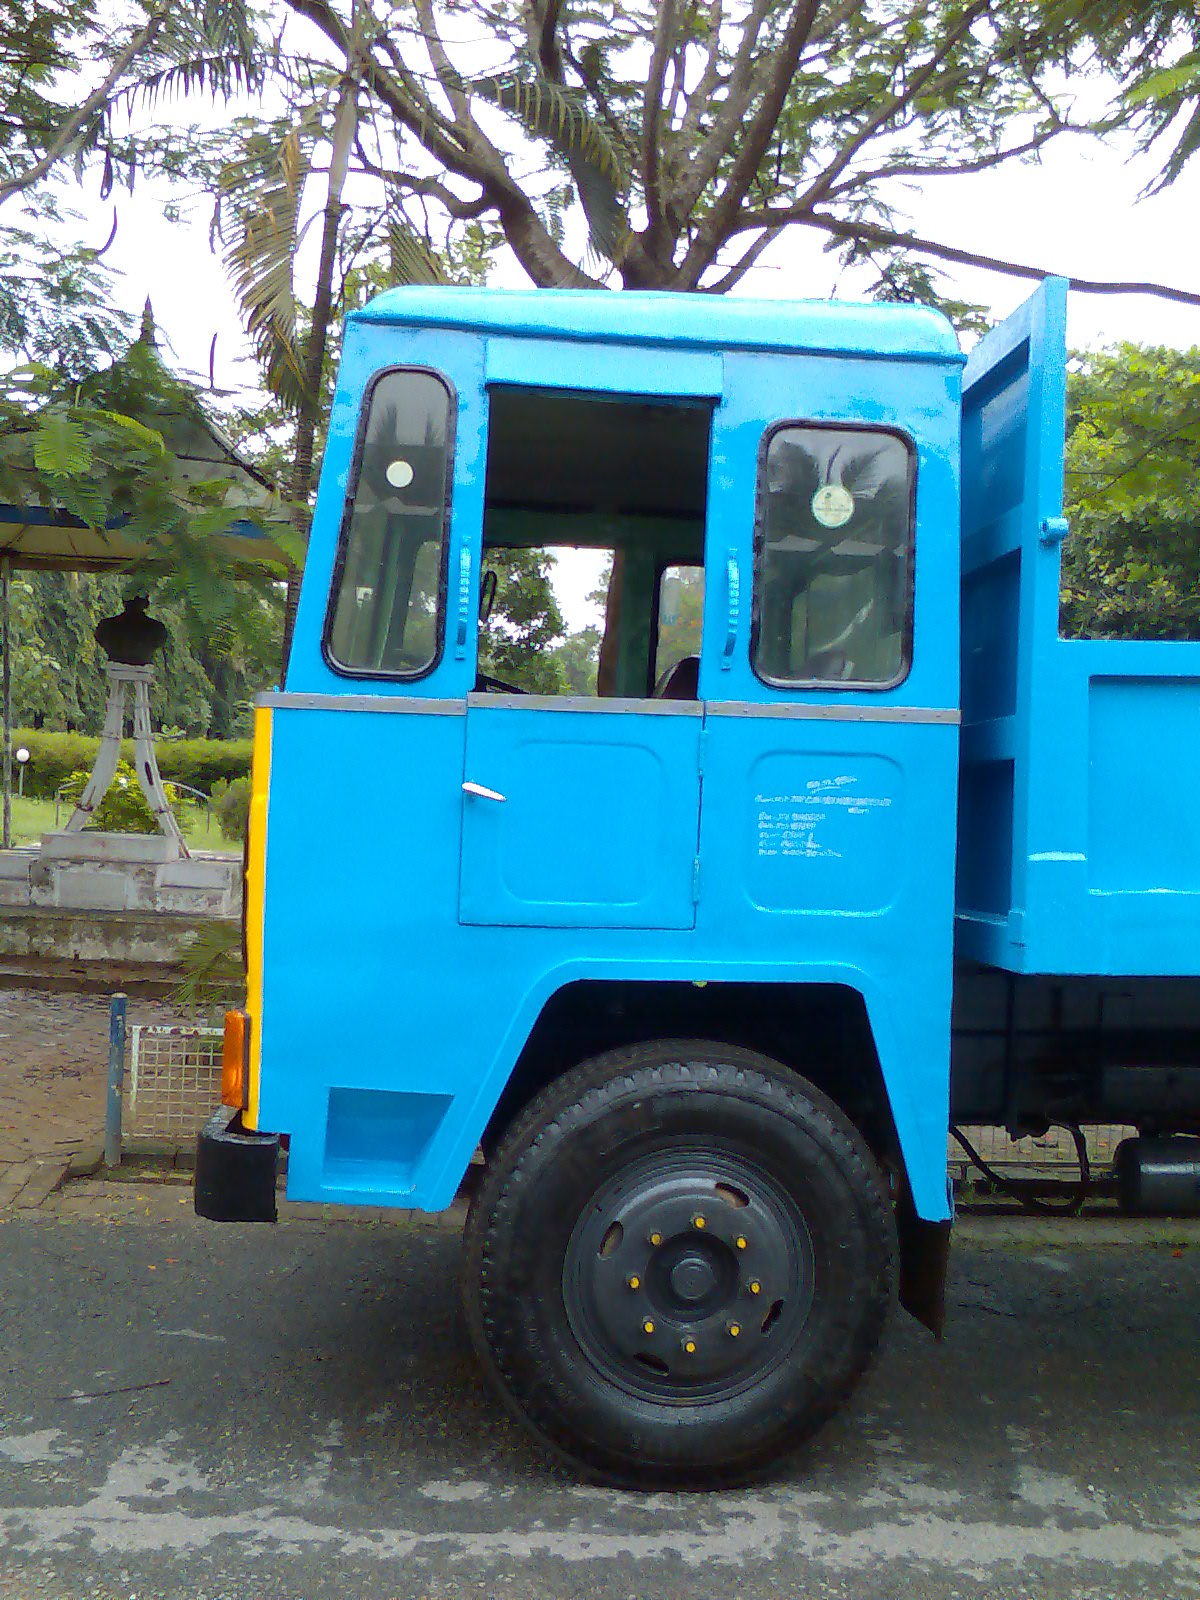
379	674
829	685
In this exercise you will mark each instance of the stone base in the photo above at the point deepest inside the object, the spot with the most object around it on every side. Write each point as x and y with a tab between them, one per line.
93	948
59	880
110	849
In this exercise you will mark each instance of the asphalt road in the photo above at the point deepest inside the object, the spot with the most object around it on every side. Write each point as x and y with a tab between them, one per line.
294	1414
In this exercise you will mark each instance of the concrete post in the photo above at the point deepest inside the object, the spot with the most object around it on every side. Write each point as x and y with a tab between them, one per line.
116	1080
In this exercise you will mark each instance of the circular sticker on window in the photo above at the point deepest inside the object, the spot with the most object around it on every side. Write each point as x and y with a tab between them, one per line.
400	474
832	505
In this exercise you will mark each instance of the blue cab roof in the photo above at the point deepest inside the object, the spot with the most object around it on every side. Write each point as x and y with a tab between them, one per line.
894	332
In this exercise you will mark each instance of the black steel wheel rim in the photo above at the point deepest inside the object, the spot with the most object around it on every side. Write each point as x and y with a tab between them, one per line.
688	1276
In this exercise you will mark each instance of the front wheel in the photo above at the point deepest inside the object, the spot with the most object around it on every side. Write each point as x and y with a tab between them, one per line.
678	1264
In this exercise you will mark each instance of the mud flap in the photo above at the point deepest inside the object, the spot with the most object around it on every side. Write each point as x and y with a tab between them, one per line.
924	1258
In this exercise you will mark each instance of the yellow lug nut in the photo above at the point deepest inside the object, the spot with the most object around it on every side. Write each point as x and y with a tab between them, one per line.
741	1241
699	1222
656	1239
647	1326
689	1347
734	1329
635	1282
756	1287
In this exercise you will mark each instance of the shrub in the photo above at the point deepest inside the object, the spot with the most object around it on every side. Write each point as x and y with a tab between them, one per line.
203	763
124	808
231	802
53	757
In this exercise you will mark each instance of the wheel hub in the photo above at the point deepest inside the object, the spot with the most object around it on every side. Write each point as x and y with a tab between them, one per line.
692	1279
688	1275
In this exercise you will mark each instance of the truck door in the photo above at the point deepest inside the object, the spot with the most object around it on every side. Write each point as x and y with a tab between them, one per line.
579	809
830	681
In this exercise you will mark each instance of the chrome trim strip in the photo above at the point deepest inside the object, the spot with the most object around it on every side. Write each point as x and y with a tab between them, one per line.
412	705
808	712
578	702
405	705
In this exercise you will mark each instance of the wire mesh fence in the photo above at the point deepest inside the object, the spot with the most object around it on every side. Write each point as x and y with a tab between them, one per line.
174	1081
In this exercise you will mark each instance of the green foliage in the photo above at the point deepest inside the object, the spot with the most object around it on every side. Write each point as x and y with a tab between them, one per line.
199	763
203	763
1131	567
80	451
212	966
680	630
231	803
124	809
69	71
206	675
578	661
689	136
517	643
1153	50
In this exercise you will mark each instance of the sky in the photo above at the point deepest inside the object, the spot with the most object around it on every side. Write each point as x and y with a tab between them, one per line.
1077	212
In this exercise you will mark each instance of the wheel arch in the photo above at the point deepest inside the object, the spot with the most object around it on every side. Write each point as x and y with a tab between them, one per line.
821	1030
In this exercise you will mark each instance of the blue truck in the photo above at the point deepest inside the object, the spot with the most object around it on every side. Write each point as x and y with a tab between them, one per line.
686	978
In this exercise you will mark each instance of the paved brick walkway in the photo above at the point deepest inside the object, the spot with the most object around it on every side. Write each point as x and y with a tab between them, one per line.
53	1081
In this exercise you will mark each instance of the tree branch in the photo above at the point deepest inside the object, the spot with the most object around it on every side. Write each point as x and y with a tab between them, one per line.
457	206
941	169
870	233
700	97
819	189
702	168
449	79
547	49
657	236
465	151
715	227
79	118
740	267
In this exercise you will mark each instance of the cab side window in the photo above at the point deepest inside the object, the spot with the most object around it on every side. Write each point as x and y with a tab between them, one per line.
386	610
833	556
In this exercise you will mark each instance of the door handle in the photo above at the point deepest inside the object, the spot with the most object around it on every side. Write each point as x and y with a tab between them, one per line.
733	581
464	601
478	790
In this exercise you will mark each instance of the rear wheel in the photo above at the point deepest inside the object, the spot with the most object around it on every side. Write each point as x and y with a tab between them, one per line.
678	1264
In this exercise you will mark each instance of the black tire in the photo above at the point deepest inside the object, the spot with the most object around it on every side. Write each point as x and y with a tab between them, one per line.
773	1260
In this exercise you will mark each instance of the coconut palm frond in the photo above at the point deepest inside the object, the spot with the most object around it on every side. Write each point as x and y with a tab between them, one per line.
562	117
211	965
412	260
265	190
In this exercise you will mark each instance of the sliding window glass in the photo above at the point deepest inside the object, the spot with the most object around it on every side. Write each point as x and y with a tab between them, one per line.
834	557
386	613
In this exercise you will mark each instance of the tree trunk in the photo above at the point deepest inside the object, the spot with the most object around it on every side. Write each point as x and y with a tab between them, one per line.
345	125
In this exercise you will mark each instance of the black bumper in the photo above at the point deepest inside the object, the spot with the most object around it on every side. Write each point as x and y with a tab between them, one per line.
235	1171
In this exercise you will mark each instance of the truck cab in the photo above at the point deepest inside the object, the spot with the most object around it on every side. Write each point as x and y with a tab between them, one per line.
666	961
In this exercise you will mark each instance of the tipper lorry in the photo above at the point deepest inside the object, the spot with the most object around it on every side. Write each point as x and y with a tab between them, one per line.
686	978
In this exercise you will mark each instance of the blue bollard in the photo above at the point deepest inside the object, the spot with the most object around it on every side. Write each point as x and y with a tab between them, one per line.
116	1078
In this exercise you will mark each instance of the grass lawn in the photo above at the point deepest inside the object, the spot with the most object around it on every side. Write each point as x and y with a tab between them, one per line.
32	818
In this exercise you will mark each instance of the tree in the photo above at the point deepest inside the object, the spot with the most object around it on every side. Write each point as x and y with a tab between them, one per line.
260	177
1131	567
519	641
69	75
693	132
578	659
1153	51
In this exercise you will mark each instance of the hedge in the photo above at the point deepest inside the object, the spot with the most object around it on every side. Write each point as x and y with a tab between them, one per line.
197	762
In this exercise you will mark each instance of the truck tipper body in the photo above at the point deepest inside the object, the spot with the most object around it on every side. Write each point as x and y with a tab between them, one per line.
691	970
